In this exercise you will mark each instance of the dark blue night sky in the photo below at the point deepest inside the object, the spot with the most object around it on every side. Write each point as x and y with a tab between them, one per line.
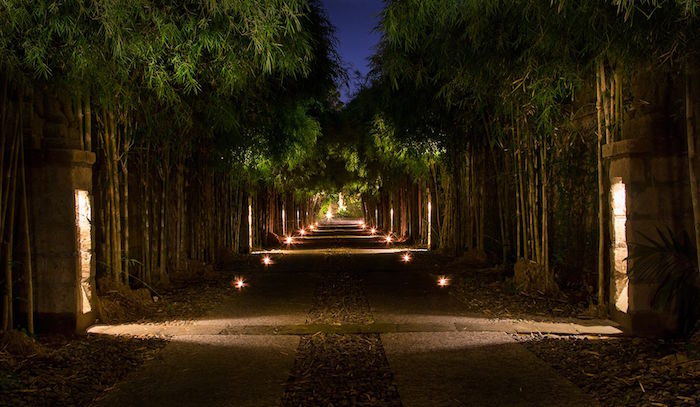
354	21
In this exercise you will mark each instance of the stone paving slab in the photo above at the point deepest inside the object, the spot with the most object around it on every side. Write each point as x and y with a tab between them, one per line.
211	371
474	369
450	324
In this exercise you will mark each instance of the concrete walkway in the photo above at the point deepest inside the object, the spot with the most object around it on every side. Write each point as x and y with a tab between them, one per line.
242	352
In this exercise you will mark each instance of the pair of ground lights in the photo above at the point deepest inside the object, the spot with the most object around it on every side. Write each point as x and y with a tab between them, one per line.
443	281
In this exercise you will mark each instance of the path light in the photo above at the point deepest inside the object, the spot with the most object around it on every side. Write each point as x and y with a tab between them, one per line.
373	231
311	227
238	283
267	261
316	224
406	257
388	239
362	225
288	240
302	232
443	281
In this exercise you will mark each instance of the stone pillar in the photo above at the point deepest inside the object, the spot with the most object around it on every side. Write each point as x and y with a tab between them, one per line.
649	190
649	177
62	224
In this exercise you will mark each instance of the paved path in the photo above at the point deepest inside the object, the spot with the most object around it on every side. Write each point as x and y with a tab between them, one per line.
241	354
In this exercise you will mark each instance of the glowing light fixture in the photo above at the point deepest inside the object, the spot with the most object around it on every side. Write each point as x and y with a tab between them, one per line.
267	261
238	283
388	238
406	257
362	225
619	245
302	232
316	224
329	215
311	227
373	231
443	281
83	214
288	240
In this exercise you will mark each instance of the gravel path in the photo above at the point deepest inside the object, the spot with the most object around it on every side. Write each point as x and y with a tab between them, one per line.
340	370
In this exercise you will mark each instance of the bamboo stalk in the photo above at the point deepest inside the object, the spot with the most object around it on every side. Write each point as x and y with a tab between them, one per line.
78	103
482	203
433	172
499	201
163	242
601	192
545	217
613	109
618	105
110	213
692	158
6	184
88	123
9	246
3	140
180	187
146	217
523	209
606	101
28	253
533	189
125	202
116	196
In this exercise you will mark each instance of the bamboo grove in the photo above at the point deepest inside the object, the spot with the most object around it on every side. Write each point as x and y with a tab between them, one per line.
512	103
481	128
193	110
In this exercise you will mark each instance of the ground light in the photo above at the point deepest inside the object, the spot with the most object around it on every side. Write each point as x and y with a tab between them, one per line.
311	227
373	231
363	226
406	257
267	261
288	240
443	281
388	239
302	232
239	283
